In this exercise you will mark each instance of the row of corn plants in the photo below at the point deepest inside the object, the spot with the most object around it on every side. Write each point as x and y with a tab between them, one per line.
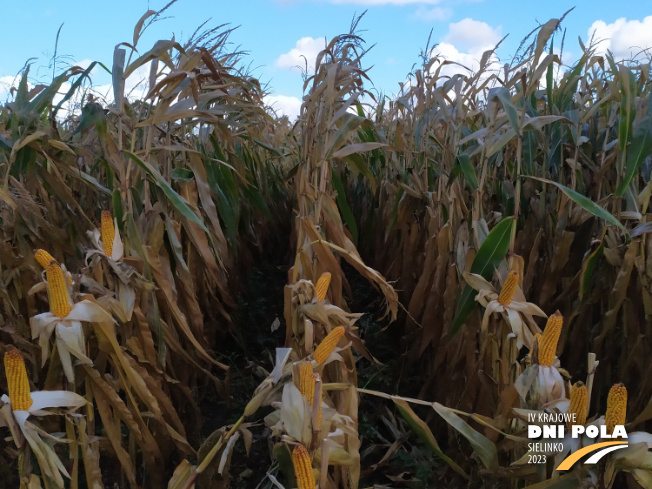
533	175
130	222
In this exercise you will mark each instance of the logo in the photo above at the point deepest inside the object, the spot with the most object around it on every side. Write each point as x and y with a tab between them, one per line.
601	448
553	426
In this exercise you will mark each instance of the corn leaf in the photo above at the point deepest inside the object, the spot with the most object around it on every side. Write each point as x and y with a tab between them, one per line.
424	432
485	449
177	201
640	149
343	205
491	253
585	203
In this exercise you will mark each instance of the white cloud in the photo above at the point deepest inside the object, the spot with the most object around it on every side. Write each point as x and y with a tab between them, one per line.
6	83
470	61
433	14
305	51
625	39
284	105
465	43
472	35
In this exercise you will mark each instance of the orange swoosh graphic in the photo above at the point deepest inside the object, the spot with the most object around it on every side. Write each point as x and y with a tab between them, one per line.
571	459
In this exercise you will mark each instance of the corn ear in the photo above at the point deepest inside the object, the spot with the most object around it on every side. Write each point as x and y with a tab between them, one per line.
303	468
509	288
616	407
57	290
307	381
549	339
322	285
43	257
328	344
17	381
578	401
107	232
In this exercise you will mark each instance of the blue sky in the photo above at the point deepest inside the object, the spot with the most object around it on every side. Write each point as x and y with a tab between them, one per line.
276	32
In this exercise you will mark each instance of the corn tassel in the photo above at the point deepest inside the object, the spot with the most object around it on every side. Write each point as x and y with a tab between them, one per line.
303	468
549	339
307	381
43	257
322	285
509	288
107	232
19	393
616	407
328	344
57	290
578	402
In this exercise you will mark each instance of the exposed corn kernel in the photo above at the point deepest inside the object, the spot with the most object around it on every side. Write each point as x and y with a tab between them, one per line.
549	339
43	257
19	394
303	468
328	344
509	288
57	290
307	381
579	397
616	407
107	232
322	285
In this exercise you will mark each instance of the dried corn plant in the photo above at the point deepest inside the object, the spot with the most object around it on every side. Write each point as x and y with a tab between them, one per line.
516	171
139	210
326	127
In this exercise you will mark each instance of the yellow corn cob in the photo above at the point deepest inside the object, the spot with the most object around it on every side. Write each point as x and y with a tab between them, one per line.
322	285
549	339
43	257
316	378
303	468
509	287
57	290
107	232
578	400
17	381
307	381
328	344
616	407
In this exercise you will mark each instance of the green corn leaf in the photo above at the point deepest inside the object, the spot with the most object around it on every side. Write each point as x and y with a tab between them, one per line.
505	99
588	266
640	149
177	201
585	203
344	207
492	251
467	169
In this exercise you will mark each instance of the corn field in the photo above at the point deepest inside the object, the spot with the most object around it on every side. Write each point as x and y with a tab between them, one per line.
198	294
